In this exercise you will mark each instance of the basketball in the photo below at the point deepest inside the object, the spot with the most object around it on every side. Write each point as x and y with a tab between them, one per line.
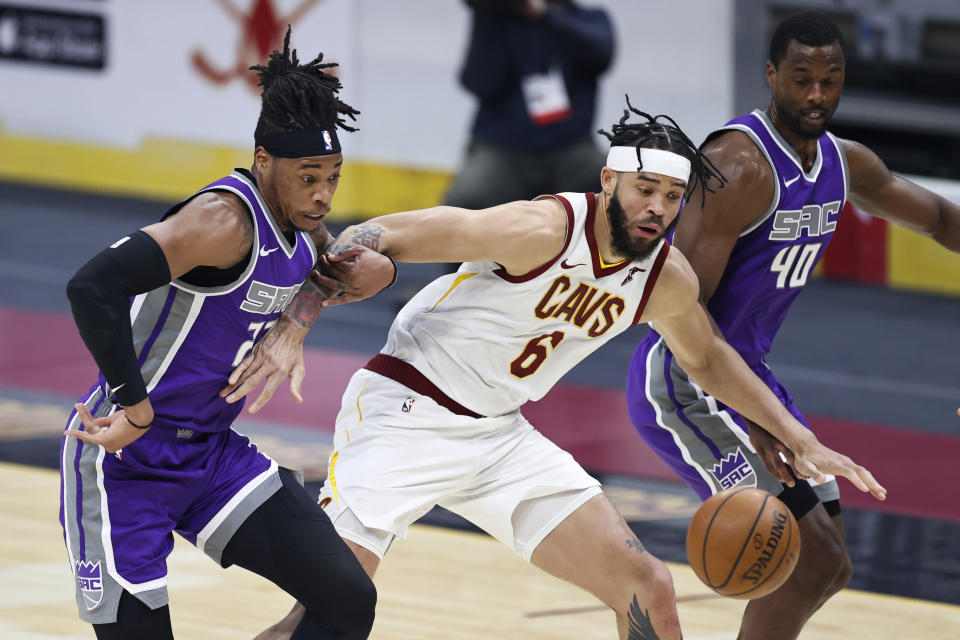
743	543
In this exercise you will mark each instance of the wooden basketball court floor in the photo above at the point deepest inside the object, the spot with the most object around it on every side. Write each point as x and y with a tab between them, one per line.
439	584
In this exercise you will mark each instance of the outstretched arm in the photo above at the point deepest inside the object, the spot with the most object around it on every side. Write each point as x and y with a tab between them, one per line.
677	315
520	236
877	191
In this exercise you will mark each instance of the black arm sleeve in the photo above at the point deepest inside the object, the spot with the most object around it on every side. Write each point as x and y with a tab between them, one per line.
99	296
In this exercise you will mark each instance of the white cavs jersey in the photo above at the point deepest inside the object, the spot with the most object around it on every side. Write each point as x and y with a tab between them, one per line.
492	341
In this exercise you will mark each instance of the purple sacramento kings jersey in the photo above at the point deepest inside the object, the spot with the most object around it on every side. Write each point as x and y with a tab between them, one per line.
773	258
190	472
189	338
704	441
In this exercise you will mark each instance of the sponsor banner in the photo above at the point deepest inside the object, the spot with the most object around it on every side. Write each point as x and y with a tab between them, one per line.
174	71
53	37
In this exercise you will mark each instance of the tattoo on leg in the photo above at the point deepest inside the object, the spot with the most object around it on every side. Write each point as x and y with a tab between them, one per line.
635	544
640	626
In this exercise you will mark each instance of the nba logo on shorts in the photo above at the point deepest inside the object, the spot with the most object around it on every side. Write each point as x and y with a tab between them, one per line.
91	586
327	142
407	405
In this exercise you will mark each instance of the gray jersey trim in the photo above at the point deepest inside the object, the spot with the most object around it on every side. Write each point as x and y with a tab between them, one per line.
268	214
96	521
701	410
148	308
215	536
183	313
776	176
843	162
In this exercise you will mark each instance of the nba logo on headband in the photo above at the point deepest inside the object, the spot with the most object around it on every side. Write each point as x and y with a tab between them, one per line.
327	142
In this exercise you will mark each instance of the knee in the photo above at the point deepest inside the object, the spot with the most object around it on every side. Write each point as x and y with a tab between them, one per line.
349	613
828	569
843	576
357	607
651	583
659	586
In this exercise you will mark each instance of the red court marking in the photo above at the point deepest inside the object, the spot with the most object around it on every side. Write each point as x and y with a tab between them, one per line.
43	352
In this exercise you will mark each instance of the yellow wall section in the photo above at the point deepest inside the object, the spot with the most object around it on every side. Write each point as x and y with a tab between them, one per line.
917	262
170	170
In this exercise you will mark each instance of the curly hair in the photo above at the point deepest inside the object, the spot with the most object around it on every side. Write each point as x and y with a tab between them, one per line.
298	97
666	135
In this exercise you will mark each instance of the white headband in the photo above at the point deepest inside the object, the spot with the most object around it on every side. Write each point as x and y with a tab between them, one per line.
665	163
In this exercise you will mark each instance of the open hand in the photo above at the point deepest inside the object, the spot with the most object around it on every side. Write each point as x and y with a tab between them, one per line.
277	356
112	432
816	461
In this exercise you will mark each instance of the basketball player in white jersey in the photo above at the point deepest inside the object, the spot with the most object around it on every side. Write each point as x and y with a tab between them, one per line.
435	417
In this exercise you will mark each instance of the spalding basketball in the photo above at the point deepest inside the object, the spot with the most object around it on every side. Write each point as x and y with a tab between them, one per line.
743	543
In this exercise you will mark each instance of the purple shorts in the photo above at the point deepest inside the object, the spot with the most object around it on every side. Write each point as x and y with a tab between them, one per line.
119	511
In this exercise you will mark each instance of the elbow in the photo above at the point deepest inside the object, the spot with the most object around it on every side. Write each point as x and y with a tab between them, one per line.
80	289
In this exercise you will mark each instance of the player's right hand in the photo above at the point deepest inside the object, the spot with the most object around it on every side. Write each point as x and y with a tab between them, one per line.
277	356
112	432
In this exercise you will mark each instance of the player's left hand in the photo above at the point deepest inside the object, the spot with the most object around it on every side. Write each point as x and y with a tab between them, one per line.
363	272
277	356
816	460
772	453
112	432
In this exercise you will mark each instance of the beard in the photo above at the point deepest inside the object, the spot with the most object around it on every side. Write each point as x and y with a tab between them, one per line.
792	120
623	244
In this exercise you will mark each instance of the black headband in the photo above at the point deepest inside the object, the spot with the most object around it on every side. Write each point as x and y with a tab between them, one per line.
300	144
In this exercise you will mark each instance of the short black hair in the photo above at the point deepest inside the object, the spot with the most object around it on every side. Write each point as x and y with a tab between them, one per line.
812	28
666	135
299	97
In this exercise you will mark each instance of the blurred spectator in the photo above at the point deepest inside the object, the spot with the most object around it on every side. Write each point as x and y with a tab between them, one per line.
533	65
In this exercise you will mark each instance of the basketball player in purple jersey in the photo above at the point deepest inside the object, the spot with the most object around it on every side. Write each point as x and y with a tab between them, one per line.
168	312
753	244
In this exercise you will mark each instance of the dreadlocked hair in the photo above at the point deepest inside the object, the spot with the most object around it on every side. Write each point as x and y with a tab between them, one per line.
667	136
298	97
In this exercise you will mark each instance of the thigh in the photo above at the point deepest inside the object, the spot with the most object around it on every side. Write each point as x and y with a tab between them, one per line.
136	620
526	487
239	478
290	541
117	516
389	467
705	442
596	550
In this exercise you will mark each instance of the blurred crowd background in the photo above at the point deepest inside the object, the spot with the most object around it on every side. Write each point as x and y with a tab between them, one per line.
150	99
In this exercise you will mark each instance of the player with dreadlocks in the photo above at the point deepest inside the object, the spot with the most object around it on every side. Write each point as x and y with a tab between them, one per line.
435	417
168	312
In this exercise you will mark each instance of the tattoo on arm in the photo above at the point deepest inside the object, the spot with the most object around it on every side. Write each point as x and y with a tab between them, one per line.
243	249
640	626
366	235
307	304
635	544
